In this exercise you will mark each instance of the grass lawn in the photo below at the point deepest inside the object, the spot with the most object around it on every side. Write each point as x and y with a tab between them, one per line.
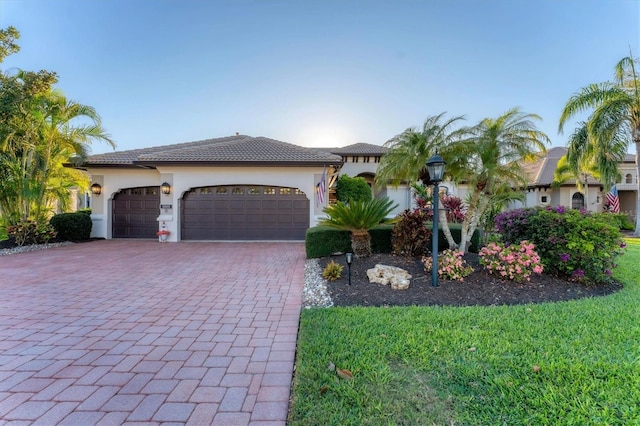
574	362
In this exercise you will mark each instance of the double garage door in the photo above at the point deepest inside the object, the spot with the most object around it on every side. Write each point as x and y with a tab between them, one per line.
237	212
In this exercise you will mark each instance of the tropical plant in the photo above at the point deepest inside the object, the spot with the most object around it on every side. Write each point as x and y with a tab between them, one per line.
358	217
613	123
40	131
490	162
411	236
409	151
332	271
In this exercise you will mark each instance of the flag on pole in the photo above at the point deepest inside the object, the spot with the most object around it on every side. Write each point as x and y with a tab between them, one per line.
321	188
613	200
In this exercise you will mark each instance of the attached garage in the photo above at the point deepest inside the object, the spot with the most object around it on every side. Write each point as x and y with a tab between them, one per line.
135	212
232	188
244	212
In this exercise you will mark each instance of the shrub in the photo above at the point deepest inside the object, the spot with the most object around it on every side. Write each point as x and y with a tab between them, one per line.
410	236
451	265
352	189
332	271
72	226
452	204
576	245
621	220
321	241
31	232
515	262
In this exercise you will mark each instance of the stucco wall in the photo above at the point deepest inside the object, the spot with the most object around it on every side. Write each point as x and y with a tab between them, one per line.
182	179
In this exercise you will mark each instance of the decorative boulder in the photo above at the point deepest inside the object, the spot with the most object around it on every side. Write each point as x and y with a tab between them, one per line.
384	274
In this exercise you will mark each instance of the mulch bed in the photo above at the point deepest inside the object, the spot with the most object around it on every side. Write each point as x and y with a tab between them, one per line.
480	288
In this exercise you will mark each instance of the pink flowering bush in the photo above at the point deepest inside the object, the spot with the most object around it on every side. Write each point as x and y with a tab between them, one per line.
451	265
515	262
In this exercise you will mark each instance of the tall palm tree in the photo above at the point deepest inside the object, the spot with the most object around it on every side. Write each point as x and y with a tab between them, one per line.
408	153
613	123
358	217
490	160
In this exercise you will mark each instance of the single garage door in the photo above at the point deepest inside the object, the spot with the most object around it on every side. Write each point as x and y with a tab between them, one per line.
244	213
135	212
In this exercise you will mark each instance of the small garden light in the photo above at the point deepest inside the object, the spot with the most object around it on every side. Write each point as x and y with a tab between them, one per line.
349	258
96	189
435	167
165	188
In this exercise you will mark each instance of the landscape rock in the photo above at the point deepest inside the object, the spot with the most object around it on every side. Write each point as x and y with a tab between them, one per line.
384	274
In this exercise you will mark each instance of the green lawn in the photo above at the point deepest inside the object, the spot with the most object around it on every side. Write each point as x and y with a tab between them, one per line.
574	362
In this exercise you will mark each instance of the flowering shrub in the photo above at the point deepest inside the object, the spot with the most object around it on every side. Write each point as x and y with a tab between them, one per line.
451	265
576	245
515	262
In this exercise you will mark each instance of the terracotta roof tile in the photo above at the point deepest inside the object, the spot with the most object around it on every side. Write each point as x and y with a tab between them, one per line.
232	149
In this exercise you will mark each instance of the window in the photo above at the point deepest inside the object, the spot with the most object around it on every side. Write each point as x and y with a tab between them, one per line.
237	191
253	190
151	191
137	191
269	191
628	178
298	192
285	191
544	199
205	190
577	201
221	190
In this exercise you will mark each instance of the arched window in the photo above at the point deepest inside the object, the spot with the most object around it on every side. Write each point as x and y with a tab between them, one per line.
577	201
628	178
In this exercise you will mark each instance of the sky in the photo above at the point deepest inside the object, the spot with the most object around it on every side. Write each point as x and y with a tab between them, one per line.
317	73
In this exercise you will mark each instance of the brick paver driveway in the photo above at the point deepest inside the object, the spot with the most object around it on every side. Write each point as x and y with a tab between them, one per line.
122	331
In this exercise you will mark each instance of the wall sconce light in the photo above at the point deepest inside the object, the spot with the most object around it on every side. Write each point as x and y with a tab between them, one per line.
165	188
96	189
349	257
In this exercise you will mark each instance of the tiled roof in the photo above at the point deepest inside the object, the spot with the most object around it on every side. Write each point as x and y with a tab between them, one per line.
358	149
239	149
541	172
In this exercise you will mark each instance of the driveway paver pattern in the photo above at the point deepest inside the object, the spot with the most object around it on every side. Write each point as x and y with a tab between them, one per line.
127	331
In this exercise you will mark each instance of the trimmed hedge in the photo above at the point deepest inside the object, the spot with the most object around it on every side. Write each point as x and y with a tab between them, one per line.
72	226
321	241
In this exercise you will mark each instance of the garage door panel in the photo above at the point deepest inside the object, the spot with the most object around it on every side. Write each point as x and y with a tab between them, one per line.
134	213
250	212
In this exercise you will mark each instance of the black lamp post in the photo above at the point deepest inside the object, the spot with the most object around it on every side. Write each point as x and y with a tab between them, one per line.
349	257
435	166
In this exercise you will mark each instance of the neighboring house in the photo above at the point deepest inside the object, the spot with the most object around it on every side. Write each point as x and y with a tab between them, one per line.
232	188
540	191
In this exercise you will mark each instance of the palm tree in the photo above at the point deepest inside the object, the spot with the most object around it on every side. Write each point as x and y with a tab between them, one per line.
46	135
614	121
358	217
489	161
408	153
578	163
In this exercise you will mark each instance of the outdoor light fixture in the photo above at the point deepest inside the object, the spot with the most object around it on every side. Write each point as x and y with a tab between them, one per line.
165	188
96	189
435	167
349	257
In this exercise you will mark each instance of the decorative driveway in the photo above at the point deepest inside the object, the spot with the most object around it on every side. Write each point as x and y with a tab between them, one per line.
126	331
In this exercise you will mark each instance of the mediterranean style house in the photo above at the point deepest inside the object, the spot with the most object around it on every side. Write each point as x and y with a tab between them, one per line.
255	188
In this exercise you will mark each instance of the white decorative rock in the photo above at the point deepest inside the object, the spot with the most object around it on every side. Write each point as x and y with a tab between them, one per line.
384	274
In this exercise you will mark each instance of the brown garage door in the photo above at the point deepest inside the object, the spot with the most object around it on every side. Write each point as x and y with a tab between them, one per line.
135	212
244	213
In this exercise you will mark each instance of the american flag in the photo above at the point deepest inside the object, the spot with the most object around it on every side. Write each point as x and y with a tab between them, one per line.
613	200
322	186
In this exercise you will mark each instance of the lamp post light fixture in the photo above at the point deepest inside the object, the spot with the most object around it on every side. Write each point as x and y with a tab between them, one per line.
165	188
349	257
96	189
435	167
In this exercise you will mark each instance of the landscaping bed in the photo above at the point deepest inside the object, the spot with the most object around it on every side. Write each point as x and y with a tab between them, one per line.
479	288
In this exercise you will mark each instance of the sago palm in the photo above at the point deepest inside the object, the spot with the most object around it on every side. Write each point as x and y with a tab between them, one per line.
613	123
359	217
